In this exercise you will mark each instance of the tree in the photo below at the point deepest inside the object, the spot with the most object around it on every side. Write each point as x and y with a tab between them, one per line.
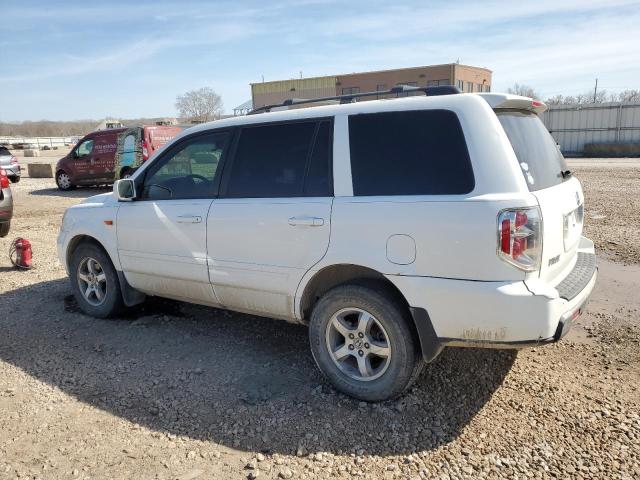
524	90
626	96
200	105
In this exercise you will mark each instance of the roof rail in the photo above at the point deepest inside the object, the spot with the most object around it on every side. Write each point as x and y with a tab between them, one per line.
349	98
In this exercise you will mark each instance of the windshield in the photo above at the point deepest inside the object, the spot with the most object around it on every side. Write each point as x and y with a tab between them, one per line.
539	157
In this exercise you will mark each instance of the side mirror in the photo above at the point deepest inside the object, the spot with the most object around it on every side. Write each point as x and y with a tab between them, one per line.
124	190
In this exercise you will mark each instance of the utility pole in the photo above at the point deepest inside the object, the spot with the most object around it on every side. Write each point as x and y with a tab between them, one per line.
595	91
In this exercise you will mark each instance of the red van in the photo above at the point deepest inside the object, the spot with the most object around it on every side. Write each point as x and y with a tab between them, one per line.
106	155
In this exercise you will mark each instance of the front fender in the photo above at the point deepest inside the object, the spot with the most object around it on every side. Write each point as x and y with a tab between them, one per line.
95	221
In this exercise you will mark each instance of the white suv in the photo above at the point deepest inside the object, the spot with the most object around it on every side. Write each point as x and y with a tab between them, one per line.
392	228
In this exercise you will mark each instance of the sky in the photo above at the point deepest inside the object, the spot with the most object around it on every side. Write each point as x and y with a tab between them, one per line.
68	60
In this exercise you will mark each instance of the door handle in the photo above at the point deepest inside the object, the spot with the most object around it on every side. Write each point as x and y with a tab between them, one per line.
306	221
189	219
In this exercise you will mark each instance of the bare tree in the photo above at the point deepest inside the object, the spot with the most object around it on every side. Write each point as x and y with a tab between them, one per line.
524	90
580	99
626	96
201	105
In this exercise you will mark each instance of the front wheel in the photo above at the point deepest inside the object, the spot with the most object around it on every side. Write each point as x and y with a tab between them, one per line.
94	282
363	342
63	180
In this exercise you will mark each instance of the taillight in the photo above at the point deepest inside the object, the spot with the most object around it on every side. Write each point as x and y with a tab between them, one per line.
145	151
520	237
14	159
4	180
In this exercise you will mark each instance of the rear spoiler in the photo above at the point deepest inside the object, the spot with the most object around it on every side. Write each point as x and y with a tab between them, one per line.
501	101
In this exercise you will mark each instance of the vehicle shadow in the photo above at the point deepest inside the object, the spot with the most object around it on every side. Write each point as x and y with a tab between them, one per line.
245	382
80	192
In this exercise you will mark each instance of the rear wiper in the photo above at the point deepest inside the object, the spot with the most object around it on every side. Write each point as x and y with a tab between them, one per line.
565	173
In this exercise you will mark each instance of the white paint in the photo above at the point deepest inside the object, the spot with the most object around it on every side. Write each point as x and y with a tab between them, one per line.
258	255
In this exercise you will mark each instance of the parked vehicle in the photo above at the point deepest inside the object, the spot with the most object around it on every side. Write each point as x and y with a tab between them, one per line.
9	163
6	204
103	156
392	228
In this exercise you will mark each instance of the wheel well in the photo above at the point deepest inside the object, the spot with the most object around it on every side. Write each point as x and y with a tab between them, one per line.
335	275
78	240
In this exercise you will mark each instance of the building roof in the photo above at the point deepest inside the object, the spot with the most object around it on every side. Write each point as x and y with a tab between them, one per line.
374	71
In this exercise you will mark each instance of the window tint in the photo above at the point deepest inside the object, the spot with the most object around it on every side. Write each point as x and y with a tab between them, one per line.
540	159
85	148
318	182
188	172
409	153
271	160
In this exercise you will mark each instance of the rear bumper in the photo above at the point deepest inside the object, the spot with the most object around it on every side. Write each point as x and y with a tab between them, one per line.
12	170
464	313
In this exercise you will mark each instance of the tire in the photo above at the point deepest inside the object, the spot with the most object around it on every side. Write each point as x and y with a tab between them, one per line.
14	179
63	180
94	264
4	229
127	172
387	376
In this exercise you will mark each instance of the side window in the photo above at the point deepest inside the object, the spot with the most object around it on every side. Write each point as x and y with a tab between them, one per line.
85	148
409	153
271	160
189	172
318	181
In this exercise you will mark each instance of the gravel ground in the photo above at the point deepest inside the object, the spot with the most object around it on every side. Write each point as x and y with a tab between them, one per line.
175	391
612	200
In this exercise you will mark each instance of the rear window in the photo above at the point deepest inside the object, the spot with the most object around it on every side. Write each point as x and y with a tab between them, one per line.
539	157
409	153
271	160
4	151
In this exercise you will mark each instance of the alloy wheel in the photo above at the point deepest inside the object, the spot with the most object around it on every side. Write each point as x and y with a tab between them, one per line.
358	344
92	281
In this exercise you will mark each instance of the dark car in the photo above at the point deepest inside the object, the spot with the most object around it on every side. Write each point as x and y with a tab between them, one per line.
9	163
6	204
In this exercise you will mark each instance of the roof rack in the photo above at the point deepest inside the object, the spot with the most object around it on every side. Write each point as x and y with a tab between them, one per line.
349	98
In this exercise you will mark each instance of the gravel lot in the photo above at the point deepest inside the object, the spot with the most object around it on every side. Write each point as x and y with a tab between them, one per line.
174	391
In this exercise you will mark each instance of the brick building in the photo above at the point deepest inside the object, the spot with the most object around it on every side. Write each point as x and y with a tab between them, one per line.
465	77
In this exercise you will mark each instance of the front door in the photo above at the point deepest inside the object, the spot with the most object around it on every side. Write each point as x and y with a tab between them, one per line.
273	220
162	235
82	168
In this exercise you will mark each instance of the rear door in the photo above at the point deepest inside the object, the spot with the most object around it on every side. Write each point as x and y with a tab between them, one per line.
559	194
272	222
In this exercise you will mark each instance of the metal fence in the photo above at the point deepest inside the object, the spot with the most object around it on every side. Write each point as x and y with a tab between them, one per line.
39	142
574	126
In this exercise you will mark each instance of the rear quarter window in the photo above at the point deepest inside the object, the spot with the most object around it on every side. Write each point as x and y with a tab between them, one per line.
419	152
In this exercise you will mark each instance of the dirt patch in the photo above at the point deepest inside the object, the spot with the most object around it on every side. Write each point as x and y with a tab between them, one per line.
174	391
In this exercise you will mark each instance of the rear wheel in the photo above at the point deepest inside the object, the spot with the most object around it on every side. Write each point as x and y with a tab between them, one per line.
14	179
362	340
4	229
95	282
126	172
63	180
